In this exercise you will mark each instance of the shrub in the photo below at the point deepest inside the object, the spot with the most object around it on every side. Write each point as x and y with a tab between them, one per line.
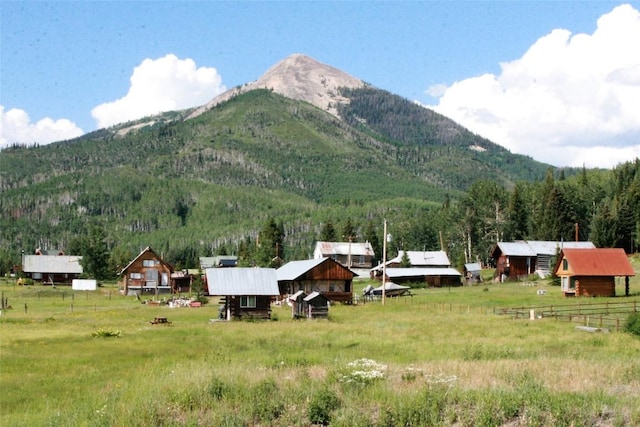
104	333
321	406
633	324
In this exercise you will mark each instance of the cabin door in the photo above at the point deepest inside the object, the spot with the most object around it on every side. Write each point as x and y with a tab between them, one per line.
151	278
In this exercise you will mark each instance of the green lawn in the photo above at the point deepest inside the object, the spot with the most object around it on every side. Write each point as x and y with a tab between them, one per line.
441	357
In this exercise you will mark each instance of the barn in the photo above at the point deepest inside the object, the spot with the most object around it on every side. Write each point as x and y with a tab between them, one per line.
592	272
323	275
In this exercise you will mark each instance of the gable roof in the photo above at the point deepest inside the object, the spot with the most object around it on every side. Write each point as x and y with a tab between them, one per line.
218	261
145	250
242	281
52	264
538	247
295	269
344	248
596	262
473	267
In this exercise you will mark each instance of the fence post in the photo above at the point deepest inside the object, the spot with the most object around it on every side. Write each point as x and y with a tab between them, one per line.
25	308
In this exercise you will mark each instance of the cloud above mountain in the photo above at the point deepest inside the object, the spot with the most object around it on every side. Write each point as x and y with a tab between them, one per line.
164	84
157	85
570	100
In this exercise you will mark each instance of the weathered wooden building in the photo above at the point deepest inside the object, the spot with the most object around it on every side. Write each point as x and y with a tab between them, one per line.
52	269
312	306
323	275
348	254
146	274
246	292
522	258
592	272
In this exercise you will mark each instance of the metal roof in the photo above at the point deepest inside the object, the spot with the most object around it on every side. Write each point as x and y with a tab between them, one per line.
473	266
420	259
539	247
344	248
421	271
217	261
294	269
597	262
52	264
242	281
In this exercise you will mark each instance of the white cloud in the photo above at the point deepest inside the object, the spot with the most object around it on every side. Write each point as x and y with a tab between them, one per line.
163	84
16	127
569	100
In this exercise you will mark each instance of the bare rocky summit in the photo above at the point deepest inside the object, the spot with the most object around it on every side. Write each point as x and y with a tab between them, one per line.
297	77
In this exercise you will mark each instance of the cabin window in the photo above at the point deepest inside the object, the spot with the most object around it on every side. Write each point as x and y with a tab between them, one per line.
565	264
135	276
248	301
149	263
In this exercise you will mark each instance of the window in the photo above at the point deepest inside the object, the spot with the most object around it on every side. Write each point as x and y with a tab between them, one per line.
149	263
565	264
248	301
135	276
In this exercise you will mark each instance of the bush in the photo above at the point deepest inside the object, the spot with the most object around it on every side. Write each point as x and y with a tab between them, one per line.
321	406
633	324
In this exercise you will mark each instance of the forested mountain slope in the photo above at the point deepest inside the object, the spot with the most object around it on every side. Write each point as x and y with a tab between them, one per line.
199	181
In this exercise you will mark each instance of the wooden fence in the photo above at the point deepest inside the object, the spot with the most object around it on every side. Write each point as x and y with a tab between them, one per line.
600	314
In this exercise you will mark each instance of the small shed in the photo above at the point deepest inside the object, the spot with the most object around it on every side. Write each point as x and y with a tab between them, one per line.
246	292
472	273
592	272
317	306
297	304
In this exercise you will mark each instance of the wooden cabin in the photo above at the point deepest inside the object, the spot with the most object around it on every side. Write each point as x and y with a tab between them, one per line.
348	254
246	292
514	260
147	274
323	275
592	272
472	273
52	269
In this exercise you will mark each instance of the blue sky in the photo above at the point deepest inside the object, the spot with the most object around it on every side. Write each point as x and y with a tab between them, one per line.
513	71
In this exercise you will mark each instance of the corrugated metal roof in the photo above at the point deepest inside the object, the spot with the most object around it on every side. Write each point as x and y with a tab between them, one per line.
294	269
550	248
473	266
598	262
52	264
539	247
421	271
344	248
242	281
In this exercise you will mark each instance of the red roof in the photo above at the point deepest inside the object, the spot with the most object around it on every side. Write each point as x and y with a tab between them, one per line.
598	262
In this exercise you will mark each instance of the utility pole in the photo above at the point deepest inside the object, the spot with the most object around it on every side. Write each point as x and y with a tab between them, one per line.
384	264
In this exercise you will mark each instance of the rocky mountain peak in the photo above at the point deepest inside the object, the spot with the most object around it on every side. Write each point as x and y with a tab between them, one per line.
297	77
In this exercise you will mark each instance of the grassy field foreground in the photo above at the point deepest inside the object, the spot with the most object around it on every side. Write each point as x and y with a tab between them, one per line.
441	357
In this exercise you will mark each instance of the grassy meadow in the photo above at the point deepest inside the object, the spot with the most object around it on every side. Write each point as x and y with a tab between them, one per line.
440	357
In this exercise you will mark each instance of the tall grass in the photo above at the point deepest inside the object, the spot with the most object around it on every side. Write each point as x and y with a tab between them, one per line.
440	357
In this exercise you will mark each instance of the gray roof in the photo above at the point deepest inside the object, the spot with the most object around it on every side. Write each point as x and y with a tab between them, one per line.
216	261
473	266
242	281
538	247
344	248
52	264
294	269
421	271
421	258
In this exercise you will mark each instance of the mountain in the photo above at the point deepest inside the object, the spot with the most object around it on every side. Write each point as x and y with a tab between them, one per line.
297	77
303	143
